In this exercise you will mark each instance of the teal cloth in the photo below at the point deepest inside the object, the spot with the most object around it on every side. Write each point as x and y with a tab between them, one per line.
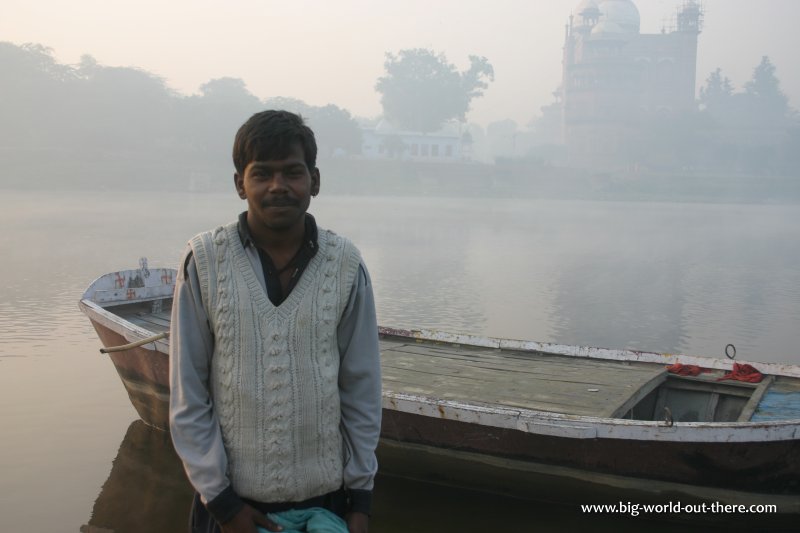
314	520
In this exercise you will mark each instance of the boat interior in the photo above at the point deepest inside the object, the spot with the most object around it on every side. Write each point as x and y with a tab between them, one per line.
152	315
704	398
698	399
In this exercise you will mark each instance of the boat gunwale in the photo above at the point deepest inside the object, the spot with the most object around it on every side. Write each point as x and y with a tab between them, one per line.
590	427
125	328
588	352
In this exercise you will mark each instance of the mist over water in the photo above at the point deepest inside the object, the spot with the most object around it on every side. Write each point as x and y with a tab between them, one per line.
657	276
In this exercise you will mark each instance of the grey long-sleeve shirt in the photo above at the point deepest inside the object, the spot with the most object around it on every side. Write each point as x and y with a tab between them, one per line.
195	429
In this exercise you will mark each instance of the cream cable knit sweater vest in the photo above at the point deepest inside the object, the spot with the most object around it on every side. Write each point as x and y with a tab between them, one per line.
274	373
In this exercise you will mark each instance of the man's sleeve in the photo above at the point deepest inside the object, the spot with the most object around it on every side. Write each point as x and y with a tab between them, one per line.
360	391
193	424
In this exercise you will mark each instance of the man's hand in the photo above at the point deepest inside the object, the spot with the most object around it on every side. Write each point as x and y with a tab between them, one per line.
246	521
357	522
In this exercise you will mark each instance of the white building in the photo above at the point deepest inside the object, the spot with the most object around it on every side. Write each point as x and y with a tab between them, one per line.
384	141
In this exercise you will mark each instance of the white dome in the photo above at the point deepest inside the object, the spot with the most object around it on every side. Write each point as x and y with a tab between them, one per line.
622	13
608	29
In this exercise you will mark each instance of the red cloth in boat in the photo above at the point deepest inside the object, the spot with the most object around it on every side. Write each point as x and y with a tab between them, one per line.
743	372
686	370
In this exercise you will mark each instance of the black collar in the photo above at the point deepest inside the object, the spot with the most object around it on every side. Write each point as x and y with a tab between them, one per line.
299	262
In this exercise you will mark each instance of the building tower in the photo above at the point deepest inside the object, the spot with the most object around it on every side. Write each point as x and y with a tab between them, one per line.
616	79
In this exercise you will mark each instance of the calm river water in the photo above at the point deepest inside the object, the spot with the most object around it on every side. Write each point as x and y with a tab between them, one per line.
657	276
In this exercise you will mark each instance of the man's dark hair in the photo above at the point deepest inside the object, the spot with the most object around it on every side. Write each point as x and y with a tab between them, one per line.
271	135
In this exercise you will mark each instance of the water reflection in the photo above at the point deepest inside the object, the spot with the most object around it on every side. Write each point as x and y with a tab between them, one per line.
146	489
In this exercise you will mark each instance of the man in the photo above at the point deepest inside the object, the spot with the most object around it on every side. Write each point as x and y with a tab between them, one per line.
274	362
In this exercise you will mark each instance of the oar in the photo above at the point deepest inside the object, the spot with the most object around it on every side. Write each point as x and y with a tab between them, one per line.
124	347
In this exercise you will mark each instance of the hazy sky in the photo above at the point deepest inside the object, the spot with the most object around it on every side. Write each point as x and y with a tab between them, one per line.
333	51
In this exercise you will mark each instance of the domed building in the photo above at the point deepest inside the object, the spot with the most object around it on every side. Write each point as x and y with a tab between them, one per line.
623	13
615	77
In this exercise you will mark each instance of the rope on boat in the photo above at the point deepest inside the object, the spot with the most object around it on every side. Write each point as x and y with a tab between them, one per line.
124	347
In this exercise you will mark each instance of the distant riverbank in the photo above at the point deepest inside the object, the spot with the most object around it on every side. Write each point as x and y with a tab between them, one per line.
59	170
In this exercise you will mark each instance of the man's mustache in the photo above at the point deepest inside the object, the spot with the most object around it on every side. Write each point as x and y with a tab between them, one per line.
281	201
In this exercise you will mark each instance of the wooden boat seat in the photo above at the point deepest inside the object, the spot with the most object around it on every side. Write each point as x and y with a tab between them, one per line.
142	316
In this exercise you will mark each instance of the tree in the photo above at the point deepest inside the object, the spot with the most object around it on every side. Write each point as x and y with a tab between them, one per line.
213	117
33	90
335	129
229	92
421	89
547	127
122	109
32	61
286	103
765	93
716	95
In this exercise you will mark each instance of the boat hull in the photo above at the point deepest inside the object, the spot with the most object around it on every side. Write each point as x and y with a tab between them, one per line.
144	372
747	465
771	467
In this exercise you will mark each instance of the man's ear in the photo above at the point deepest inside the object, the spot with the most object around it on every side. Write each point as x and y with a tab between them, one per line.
238	182
315	181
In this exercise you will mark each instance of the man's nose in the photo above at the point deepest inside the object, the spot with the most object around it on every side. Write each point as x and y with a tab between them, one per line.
278	182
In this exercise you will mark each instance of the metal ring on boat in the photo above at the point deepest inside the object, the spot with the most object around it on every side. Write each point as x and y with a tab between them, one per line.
732	347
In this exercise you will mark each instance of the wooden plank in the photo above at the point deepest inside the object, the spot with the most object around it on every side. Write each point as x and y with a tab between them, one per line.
508	356
778	405
544	362
139	321
751	405
718	387
541	396
148	317
165	314
504	376
607	375
711	407
554	384
659	377
713	377
588	352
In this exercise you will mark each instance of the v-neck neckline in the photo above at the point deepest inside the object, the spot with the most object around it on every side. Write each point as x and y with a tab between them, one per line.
246	268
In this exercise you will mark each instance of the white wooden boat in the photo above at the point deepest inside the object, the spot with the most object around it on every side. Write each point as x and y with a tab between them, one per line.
130	311
613	413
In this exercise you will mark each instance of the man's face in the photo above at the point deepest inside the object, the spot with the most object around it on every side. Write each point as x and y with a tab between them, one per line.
278	191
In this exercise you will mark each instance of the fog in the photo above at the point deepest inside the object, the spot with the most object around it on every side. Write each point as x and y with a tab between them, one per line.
532	98
332	52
